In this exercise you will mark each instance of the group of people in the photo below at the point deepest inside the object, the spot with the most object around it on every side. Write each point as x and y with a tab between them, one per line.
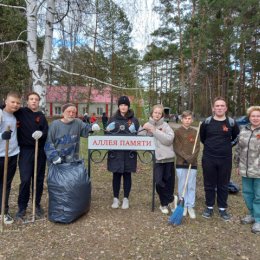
22	126
60	142
218	133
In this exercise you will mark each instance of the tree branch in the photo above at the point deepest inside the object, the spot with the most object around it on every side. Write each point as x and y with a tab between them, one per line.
12	42
87	77
14	6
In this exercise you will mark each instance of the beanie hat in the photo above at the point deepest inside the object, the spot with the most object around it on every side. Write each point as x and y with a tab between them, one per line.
123	100
65	106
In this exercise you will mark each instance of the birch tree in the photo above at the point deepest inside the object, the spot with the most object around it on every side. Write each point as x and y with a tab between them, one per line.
38	66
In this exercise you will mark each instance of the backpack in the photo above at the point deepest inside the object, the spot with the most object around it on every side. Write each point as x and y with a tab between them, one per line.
231	121
233	188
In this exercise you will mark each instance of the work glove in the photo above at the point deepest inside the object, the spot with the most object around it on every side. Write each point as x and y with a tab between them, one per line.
37	135
6	135
58	161
95	127
1	116
132	128
111	126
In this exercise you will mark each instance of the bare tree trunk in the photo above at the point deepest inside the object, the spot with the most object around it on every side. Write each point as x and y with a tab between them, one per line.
39	69
181	58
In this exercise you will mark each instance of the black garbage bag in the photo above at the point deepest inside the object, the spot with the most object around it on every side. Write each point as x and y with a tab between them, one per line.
69	188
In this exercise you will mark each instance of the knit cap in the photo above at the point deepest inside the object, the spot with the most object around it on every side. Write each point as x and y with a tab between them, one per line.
123	100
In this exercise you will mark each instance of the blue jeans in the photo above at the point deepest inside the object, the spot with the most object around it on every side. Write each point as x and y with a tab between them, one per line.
190	194
251	194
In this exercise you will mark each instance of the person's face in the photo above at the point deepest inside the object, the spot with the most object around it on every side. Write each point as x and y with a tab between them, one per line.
123	109
220	108
157	114
254	118
186	121
12	104
69	114
33	102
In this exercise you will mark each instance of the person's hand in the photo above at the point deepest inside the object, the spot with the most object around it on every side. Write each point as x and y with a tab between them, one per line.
149	128
1	115
237	170
111	126
37	135
132	128
190	159
95	127
6	135
58	161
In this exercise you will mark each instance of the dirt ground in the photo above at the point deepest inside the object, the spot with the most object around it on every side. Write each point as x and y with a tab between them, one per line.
136	233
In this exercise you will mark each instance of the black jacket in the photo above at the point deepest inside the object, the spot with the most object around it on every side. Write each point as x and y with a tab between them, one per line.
119	160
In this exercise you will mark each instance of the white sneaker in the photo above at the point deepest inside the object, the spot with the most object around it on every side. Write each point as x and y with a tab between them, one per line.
164	209
256	228
125	204
185	212
116	203
192	213
7	219
248	219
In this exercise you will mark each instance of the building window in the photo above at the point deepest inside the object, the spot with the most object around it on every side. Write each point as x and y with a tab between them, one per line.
100	110
57	111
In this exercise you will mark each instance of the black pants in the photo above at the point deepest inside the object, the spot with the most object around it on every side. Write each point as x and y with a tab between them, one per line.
127	183
12	164
216	173
164	180
26	167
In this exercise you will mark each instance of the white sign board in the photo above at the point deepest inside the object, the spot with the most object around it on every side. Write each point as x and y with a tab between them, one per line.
106	142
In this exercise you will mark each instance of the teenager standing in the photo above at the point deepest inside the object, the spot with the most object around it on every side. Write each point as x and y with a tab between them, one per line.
217	135
122	163
8	120
164	155
31	126
184	140
247	161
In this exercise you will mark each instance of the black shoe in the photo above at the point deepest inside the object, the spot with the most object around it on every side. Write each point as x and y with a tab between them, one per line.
207	213
39	211
20	214
224	215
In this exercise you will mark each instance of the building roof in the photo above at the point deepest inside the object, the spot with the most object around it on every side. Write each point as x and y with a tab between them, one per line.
78	94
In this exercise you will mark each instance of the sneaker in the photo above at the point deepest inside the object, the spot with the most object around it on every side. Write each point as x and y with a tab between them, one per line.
224	215
39	211
192	213
164	210
7	219
125	204
256	228
116	203
185	211
207	213
20	214
173	205
248	219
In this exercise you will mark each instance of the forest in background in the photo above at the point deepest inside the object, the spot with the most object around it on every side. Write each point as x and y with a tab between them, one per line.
201	49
